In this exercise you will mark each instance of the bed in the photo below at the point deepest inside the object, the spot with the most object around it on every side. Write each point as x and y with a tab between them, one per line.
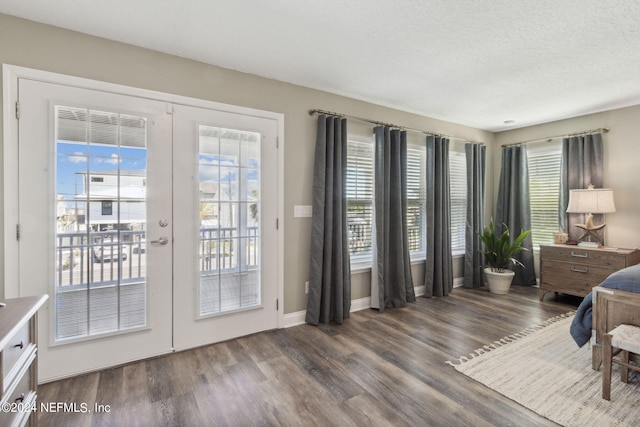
616	300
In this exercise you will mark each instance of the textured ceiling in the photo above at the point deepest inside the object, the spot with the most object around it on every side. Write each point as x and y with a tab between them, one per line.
473	62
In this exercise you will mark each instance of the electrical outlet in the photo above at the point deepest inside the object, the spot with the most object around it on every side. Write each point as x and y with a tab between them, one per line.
306	287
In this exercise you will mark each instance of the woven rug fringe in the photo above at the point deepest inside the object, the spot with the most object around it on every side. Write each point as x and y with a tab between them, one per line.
508	339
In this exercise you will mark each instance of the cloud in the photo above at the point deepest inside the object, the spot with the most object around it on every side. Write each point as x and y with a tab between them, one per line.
216	168
113	160
77	157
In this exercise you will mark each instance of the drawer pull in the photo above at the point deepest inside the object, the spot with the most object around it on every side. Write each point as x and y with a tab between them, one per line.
585	255
20	399
579	270
21	345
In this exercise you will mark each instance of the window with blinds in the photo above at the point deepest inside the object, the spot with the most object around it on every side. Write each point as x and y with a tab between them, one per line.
416	202
359	199
458	189
544	191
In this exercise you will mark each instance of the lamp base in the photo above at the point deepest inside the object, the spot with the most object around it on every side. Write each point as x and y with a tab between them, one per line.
589	231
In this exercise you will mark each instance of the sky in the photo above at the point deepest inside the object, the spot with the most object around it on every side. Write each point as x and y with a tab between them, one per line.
74	158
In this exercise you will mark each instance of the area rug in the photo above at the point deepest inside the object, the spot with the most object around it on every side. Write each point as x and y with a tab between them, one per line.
542	369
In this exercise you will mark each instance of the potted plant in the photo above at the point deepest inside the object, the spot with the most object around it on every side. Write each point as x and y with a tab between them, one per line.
499	255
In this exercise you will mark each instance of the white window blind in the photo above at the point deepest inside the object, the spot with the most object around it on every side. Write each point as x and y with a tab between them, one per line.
359	199
458	189
416	203
544	191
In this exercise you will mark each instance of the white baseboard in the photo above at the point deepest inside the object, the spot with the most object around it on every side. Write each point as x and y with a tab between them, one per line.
298	317
360	304
294	319
458	282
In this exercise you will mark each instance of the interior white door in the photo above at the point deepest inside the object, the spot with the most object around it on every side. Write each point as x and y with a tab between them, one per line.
225	215
95	215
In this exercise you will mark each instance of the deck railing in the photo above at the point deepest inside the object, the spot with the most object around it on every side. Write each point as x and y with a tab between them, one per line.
118	257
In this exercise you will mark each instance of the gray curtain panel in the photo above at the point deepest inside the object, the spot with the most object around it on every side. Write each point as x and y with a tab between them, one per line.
392	264
582	164
438	277
330	271
476	156
513	208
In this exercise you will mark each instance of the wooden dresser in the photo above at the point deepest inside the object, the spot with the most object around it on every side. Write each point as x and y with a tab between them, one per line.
574	270
18	364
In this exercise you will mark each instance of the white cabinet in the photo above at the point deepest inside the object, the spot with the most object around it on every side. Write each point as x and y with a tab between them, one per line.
18	360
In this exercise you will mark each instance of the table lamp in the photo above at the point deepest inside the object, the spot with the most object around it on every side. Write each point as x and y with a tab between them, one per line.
591	201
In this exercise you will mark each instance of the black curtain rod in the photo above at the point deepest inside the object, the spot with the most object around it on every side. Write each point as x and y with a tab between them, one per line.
374	122
551	138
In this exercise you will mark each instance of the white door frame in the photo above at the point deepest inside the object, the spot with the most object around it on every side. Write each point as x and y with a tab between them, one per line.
11	75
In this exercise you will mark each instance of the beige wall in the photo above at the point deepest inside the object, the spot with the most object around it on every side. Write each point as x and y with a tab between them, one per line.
37	46
621	167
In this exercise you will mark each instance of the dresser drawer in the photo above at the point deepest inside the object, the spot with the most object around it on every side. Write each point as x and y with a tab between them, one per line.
603	258
568	285
17	347
571	270
20	400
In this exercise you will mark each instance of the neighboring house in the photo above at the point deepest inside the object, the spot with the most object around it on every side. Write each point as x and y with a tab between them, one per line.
103	189
115	197
69	215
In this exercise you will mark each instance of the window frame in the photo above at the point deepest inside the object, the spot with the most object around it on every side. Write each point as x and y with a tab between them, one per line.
364	260
542	149
107	207
458	153
421	254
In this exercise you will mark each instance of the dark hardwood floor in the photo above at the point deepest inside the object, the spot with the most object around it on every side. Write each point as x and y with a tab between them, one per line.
375	370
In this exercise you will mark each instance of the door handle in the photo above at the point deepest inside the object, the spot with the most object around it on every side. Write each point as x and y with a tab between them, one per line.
162	241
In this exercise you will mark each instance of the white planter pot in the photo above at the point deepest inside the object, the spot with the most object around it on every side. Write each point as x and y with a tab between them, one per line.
499	283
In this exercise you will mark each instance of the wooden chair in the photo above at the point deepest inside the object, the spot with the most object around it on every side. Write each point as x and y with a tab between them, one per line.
624	339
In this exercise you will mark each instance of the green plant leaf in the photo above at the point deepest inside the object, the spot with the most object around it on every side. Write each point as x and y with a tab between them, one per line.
500	250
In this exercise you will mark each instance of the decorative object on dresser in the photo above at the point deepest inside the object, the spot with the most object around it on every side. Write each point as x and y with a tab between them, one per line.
499	255
591	201
576	270
18	348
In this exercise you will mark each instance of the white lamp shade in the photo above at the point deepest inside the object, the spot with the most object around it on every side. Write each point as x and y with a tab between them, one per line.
594	201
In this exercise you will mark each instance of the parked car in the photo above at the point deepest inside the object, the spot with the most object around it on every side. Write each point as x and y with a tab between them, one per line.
109	251
139	247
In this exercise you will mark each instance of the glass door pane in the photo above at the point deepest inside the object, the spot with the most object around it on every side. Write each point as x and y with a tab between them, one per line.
229	209
100	222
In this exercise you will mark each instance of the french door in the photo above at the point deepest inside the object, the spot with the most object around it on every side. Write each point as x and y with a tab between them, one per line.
145	221
222	161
